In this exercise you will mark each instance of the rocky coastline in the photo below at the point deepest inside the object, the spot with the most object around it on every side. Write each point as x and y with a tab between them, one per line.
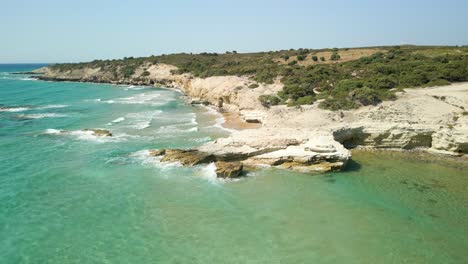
306	138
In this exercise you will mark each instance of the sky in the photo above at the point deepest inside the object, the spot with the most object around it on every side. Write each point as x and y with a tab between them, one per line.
82	30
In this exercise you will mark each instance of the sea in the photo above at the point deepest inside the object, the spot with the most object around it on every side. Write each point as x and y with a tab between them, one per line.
68	196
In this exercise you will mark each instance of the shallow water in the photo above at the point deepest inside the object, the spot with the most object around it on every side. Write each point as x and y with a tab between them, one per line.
76	198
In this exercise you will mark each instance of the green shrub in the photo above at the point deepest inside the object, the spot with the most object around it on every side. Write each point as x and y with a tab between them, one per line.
145	73
305	100
269	100
128	70
337	104
438	82
335	56
301	57
366	96
291	63
322	58
314	58
253	86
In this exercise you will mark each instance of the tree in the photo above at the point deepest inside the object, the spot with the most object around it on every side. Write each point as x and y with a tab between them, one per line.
335	56
301	57
322	58
314	58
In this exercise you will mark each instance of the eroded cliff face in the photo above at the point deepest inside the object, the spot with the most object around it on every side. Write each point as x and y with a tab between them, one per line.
230	93
307	138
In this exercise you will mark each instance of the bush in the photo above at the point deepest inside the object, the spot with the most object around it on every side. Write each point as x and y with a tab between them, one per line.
128	70
438	82
322	58
253	86
145	73
269	100
337	104
294	62
384	82
301	57
349	84
314	58
366	96
305	100
335	56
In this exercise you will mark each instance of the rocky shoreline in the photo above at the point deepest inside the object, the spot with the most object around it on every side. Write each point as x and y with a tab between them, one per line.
306	138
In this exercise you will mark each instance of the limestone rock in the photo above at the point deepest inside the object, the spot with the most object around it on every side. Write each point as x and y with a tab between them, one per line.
228	169
187	157
100	132
157	152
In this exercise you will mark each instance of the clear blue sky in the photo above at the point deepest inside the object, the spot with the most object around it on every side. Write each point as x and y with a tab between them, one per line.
82	30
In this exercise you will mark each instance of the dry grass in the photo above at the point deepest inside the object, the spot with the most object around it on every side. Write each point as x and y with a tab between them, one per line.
345	55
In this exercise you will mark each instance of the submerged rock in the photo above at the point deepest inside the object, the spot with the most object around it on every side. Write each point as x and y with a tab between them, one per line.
187	157
100	132
157	152
228	169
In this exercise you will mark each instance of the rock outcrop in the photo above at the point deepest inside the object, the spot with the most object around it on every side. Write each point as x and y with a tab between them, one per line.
228	169
100	132
187	157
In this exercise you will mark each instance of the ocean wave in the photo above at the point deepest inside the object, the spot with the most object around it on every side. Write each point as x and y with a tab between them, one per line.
118	120
93	100
14	109
144	158
52	131
208	172
88	135
174	129
28	79
201	140
52	106
41	115
143	98
133	87
141	125
219	120
141	120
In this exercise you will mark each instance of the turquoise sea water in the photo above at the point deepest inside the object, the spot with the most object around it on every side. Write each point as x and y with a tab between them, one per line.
75	198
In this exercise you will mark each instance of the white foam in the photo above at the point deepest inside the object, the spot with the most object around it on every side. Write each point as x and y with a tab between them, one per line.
133	87
202	140
28	79
141	125
14	109
52	131
42	115
143	98
53	106
118	120
93	100
209	172
144	158
88	135
141	120
220	120
174	129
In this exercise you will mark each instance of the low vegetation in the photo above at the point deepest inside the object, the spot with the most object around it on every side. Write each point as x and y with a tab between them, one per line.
340	78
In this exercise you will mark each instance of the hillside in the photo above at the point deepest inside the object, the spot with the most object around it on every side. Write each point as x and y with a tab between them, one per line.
340	78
